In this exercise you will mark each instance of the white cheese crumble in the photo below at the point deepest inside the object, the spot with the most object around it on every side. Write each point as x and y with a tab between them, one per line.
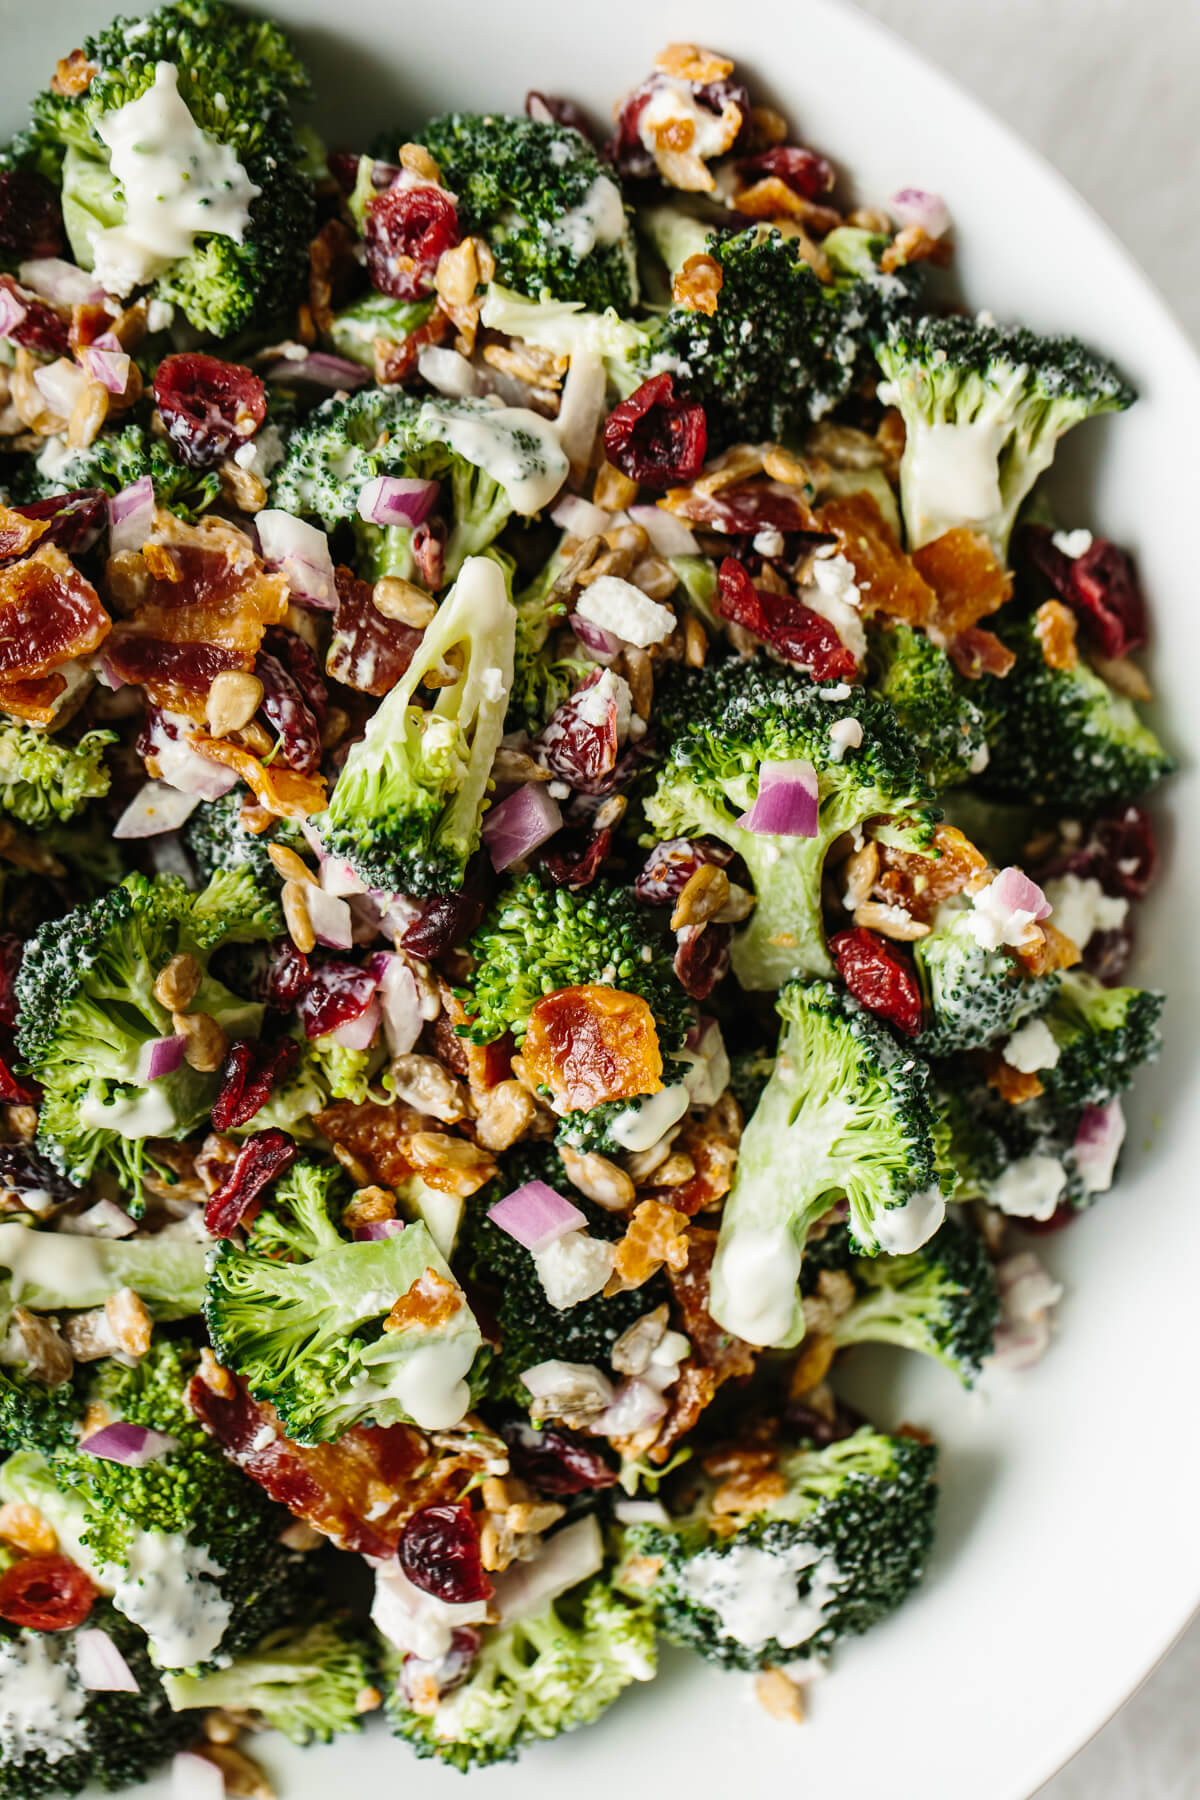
832	591
262	453
598	219
414	1620
1072	543
1031	1048
1029	1188
844	734
573	1268
768	541
617	606
1081	908
992	924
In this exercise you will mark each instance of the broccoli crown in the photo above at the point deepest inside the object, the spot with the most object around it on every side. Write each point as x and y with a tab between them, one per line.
407	808
940	1301
536	1677
44	778
238	78
550	209
931	702
314	1337
722	723
845	1114
536	938
217	839
111	1739
115	460
304	1680
299	1218
34	1416
999	396
1062	737
783	346
841	1549
972	996
1103	1036
88	1011
531	1330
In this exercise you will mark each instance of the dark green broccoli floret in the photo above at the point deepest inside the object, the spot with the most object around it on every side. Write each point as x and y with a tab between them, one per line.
1103	1035
549	1672
1062	737
111	1739
298	1219
34	1416
550	209
115	460
88	1011
304	1680
536	937
44	778
843	1547
932	702
749	1073
845	1114
783	346
991	399
722	723
238	78
217	839
972	996
407	808
543	679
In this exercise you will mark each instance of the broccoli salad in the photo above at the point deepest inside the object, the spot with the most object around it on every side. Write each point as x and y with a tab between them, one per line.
571	819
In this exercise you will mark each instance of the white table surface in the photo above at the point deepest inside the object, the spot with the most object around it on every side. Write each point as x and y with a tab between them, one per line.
1106	90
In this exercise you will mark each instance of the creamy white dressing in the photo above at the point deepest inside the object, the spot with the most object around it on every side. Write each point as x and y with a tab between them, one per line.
1029	1188
514	446
149	1115
755	1595
1031	1048
754	1278
184	1617
951	476
41	1699
429	1383
54	457
899	1230
598	219
640	1127
178	182
832	592
844	734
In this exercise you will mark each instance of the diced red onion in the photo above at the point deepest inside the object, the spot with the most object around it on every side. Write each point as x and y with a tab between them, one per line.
60	384
104	1220
913	206
12	311
448	373
155	808
581	408
600	645
161	1056
376	1229
787	800
359	1033
536	1215
636	1406
319	368
397	500
516	827
563	1561
399	1000
1013	891
131	1445
131	515
195	1778
300	553
329	917
580	517
668	535
109	367
99	1664
60	282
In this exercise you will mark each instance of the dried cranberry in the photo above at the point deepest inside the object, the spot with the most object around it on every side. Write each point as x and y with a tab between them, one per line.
1101	586
429	553
1107	954
447	1671
715	96
879	977
288	714
24	1173
556	1461
46	1593
575	864
209	407
597	787
749	508
14	1092
1065	1213
406	230
671	865
343	166
366	651
574	744
76	519
249	1073
655	438
1124	851
40	326
300	662
806	173
551	109
447	920
287	975
31	221
261	1158
11	951
702	957
336	993
439	1552
800	635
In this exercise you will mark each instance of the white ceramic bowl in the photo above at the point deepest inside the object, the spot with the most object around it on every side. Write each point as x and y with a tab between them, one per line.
1068	1557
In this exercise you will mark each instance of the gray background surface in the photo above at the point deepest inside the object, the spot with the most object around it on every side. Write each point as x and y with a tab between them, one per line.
1106	90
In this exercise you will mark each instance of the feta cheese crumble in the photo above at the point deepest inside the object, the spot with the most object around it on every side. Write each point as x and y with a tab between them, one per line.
1031	1048
617	606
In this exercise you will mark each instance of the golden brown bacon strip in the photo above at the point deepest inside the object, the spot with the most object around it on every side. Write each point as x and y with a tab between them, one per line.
48	616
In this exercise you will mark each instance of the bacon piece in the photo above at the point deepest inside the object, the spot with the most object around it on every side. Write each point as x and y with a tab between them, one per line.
366	651
593	1043
48	615
284	792
887	580
714	1154
34	701
968	582
919	883
430	1302
373	1133
18	532
716	1357
977	652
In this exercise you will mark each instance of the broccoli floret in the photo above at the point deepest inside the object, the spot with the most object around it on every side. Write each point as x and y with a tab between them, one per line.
989	398
312	1337
783	346
302	1680
80	1735
346	1074
839	1551
722	723
940	1301
93	858
536	1677
972	996
238	79
217	839
749	1073
44	778
50	1274
568	328
536	938
355	329
845	1114
115	460
541	679
298	1219
552	212
1062	737
88	1011
34	1416
932	703
407	807
1103	1036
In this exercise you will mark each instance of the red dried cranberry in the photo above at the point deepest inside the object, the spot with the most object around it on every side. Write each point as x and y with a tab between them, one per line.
448	920
1101	587
24	1172
806	173
879	977
671	865
1107	954
1124	851
31	221
46	1593
449	1671
746	510
11	951
576	864
800	635
287	975
299	660
702	957
439	1552
288	714
655	438
336	993
209	407
596	787
551	109
556	1461
14	1092
574	746
40	326
249	1073
625	149
406	230
261	1158
76	519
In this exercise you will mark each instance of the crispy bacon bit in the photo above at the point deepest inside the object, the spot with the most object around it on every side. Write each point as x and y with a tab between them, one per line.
19	533
961	568
918	883
1054	628
1013	1085
686	1400
396	360
280	790
886	579
333	272
656	1234
977	652
713	1347
34	701
712	1147
374	1134
73	521
698	284
429	1303
593	1043
48	616
366	651
262	1157
880	976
